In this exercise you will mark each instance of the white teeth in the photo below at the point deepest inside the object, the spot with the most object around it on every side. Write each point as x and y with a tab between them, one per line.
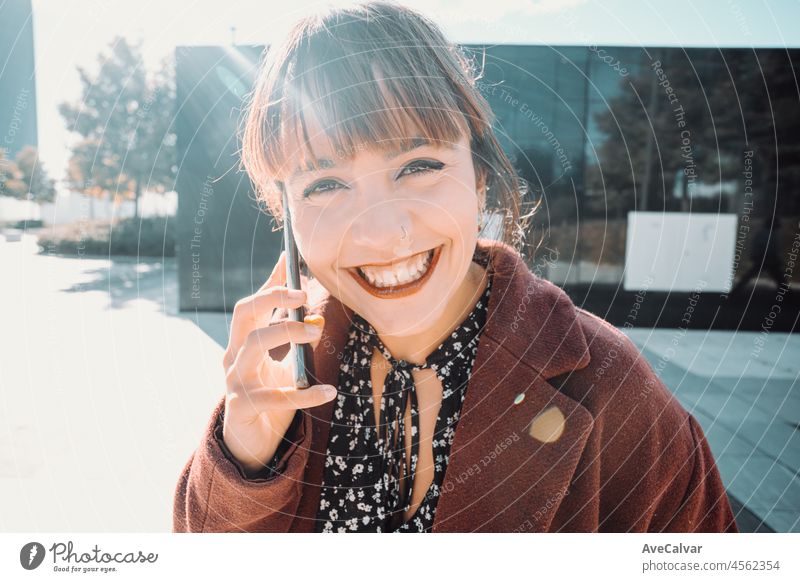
417	266
402	273
389	278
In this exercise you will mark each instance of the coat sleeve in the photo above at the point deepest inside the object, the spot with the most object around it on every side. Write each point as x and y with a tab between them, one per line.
657	472
216	494
704	506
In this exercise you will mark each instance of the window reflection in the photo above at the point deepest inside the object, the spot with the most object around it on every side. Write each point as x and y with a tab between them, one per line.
599	132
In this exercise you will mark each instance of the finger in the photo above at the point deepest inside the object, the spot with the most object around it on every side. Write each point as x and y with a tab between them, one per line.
261	305
261	340
256	311
283	398
278	275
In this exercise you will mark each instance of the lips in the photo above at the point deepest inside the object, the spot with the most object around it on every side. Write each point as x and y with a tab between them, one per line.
400	290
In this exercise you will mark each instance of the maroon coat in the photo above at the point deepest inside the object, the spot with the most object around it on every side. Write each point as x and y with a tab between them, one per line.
565	427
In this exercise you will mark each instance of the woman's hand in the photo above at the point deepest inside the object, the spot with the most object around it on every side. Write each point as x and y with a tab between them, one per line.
261	397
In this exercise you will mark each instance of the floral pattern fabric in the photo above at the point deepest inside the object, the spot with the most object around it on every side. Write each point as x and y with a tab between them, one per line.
361	482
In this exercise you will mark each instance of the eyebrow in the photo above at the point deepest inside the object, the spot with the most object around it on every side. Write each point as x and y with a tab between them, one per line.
327	163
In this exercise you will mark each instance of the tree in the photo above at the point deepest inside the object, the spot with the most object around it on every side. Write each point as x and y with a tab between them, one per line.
124	120
38	185
25	177
10	177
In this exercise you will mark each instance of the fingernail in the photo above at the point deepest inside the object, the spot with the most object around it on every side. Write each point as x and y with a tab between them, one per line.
315	319
330	390
313	329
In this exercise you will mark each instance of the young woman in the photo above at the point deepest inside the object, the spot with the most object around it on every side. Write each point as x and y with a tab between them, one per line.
457	390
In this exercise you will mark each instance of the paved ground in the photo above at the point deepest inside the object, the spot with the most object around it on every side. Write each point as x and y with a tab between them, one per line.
103	392
105	389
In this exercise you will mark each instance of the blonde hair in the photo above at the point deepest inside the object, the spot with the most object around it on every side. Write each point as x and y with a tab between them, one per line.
368	73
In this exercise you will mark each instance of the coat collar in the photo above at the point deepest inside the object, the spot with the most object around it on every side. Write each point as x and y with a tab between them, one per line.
501	454
531	317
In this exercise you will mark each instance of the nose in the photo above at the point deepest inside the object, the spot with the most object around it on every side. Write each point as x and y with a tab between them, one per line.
385	225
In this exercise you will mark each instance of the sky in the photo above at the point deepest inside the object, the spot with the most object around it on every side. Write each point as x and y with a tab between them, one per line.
71	33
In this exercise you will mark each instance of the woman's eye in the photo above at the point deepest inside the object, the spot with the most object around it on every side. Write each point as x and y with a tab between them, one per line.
421	167
321	187
415	167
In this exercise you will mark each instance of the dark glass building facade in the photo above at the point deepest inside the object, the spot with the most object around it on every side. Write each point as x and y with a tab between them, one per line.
701	136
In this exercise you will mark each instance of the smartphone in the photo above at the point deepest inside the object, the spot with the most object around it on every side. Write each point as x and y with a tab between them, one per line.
298	352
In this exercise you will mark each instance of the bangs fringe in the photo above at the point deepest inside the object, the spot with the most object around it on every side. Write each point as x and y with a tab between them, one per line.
355	111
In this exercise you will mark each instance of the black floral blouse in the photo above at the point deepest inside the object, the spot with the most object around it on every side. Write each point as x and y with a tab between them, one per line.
361	483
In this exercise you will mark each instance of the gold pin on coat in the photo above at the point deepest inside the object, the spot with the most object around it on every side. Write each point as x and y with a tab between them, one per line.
548	426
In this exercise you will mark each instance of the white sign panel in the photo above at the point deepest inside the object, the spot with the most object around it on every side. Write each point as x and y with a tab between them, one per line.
679	251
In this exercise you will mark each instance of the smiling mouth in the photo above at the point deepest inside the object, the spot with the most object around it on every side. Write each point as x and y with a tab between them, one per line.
400	278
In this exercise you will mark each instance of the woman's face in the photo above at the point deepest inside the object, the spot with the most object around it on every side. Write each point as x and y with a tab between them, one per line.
390	235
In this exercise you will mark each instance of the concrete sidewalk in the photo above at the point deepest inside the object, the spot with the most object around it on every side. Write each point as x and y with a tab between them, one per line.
105	390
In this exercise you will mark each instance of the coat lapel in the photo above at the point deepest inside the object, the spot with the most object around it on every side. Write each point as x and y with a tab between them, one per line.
518	439
514	451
